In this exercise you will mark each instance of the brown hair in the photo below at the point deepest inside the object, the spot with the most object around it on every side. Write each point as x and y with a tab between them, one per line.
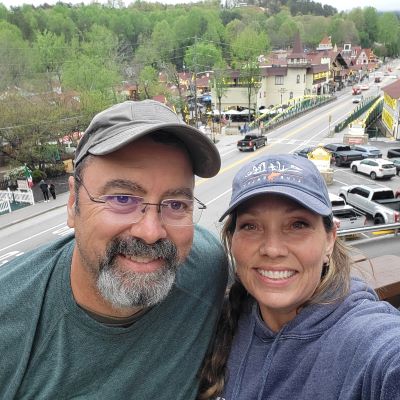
334	286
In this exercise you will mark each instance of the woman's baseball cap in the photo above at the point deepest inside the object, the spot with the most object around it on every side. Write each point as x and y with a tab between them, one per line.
125	122
285	174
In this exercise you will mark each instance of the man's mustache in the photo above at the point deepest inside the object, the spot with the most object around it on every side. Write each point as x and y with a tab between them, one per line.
131	247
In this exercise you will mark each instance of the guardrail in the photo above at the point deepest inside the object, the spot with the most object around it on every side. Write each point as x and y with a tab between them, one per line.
385	227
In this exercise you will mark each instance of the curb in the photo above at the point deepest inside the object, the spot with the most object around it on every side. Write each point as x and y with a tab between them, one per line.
34	214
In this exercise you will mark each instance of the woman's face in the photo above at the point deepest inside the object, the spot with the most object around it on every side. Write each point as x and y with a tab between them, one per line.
279	248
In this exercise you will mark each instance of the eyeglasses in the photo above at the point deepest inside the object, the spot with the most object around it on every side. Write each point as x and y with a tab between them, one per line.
176	212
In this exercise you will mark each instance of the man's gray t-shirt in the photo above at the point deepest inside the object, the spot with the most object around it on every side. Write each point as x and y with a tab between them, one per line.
52	349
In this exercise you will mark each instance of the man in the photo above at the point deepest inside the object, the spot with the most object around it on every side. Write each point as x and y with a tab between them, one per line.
124	309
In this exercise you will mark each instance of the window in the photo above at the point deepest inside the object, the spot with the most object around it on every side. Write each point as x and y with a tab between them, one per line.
304	78
291	95
298	79
278	80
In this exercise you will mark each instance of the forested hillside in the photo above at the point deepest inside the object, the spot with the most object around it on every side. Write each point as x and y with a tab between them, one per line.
60	64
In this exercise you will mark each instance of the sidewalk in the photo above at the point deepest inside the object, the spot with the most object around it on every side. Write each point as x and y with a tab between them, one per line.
31	211
41	207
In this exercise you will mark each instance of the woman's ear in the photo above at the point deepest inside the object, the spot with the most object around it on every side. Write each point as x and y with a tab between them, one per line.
332	235
71	203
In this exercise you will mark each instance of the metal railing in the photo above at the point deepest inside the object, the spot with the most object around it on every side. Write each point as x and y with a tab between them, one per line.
385	227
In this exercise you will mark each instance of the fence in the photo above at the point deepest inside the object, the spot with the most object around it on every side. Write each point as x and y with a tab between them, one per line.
360	110
17	196
295	109
5	206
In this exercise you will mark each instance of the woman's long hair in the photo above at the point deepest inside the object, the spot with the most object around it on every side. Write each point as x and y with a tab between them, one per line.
334	286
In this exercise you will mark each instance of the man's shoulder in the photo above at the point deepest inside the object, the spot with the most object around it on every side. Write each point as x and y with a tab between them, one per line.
33	263
206	247
206	267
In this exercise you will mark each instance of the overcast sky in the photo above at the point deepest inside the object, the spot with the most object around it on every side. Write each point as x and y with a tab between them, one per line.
384	5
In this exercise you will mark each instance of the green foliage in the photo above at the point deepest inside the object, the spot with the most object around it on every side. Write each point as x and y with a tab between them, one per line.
62	64
38	175
202	56
389	33
249	44
54	170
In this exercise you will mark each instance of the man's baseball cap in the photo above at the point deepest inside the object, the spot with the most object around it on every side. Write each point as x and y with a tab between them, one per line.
125	122
289	175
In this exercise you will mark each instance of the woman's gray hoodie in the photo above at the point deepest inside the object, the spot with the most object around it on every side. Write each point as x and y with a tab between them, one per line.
348	350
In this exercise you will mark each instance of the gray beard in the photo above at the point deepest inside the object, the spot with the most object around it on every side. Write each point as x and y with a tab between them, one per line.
129	289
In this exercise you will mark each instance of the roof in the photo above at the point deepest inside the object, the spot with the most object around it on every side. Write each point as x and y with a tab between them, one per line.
393	90
326	40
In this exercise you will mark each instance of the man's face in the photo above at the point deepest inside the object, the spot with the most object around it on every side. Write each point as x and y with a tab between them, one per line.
130	265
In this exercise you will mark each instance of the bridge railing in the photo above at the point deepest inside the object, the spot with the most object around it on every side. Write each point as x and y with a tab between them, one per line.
384	227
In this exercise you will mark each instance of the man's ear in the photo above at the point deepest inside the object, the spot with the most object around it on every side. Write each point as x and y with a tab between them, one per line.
71	203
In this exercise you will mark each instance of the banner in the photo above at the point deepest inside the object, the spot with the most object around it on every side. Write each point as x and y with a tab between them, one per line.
28	176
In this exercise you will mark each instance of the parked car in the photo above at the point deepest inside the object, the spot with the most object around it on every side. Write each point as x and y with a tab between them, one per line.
342	154
368	151
396	162
377	201
357	99
303	152
394	152
345	216
374	167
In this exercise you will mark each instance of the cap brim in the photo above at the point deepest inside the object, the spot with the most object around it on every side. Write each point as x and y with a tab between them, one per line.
203	152
306	200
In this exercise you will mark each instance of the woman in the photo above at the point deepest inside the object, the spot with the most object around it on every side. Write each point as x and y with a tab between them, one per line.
296	326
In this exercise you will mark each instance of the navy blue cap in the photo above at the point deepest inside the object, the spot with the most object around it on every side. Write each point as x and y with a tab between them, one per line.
286	174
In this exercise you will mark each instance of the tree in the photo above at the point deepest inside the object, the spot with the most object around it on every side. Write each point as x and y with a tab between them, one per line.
148	81
246	48
202	56
14	53
176	99
219	85
389	33
371	24
50	51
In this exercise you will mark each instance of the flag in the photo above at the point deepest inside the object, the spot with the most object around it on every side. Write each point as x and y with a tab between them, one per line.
28	176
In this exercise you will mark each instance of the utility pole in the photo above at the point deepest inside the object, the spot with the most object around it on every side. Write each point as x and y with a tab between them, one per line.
195	81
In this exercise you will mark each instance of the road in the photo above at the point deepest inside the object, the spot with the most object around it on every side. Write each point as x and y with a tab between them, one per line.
311	128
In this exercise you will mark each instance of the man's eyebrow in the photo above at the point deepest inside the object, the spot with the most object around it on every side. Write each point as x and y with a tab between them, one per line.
123	185
130	186
187	192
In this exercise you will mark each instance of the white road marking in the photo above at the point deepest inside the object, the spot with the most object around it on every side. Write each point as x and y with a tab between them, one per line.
65	230
219	196
31	237
6	257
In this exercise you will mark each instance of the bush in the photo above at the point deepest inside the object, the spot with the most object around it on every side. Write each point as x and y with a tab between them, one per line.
37	175
52	171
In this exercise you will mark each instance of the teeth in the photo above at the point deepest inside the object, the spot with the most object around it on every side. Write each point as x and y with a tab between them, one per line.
141	259
276	274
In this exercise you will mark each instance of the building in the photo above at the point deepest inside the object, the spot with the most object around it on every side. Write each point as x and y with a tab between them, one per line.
391	109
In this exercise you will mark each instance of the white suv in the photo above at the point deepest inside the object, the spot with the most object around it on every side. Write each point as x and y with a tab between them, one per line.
374	167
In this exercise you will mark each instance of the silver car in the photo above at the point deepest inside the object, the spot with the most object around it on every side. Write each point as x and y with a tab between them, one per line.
368	151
